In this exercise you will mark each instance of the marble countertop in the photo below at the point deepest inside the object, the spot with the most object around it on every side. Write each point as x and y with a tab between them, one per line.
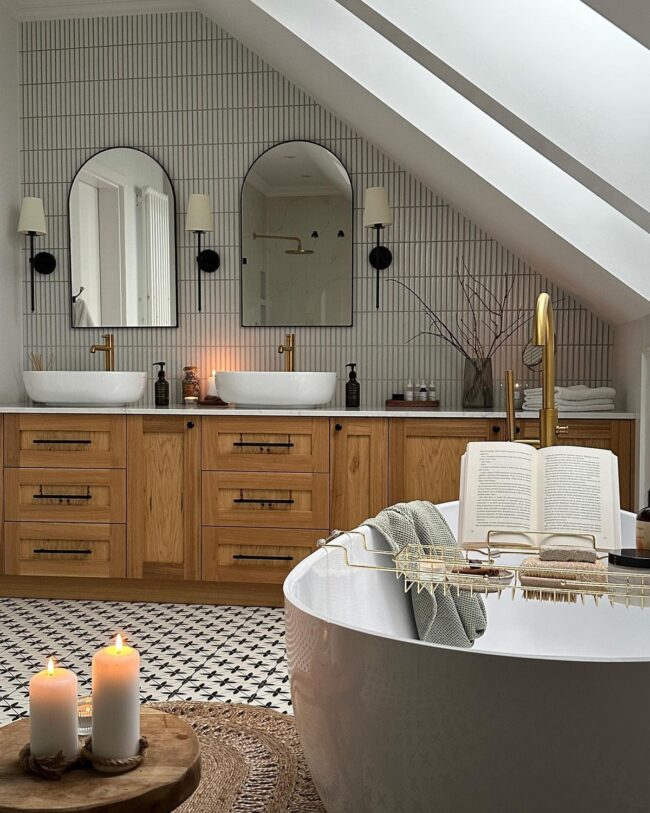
319	412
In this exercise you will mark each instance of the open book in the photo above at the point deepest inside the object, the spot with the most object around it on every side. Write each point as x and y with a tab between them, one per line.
512	487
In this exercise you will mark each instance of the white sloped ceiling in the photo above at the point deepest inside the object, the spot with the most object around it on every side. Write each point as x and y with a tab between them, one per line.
572	233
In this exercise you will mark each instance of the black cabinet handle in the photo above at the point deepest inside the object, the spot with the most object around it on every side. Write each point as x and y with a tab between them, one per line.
338	427
272	558
496	429
62	496
86	552
62	441
517	430
260	444
262	501
190	424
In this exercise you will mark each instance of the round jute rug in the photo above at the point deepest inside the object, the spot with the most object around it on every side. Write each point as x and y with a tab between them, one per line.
251	760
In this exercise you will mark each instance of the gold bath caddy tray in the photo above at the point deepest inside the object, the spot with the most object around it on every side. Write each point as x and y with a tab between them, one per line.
432	567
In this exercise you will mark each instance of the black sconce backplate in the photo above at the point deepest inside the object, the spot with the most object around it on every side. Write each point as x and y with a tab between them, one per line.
380	258
208	260
44	263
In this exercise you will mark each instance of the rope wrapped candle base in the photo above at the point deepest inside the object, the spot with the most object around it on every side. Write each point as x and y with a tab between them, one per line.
46	767
53	767
113	765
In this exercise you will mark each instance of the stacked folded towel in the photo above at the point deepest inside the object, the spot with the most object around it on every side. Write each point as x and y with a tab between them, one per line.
574	399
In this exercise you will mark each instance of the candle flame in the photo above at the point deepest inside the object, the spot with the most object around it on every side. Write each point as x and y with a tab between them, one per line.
50	666
119	642
214	373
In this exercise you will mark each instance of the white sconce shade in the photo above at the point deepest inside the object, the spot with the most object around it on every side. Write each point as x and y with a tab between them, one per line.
199	213
32	217
376	211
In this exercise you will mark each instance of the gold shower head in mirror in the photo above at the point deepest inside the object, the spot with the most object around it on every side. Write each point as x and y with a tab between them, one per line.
298	250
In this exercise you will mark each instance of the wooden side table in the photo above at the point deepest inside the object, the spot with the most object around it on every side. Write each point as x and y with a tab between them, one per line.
169	774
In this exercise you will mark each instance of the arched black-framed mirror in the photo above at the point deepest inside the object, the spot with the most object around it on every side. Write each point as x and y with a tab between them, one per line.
122	226
296	239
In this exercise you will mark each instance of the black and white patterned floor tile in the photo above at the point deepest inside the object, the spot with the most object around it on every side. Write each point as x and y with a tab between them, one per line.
188	652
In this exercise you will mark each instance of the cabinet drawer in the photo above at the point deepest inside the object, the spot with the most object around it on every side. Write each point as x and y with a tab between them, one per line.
65	495
269	500
262	555
266	444
78	441
50	549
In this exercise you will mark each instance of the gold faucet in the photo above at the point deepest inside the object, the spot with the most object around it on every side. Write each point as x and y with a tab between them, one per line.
543	336
109	349
288	349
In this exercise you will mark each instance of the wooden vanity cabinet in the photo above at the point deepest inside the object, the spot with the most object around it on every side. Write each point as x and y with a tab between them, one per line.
65	441
358	470
425	456
164	497
64	495
218	509
265	497
617	435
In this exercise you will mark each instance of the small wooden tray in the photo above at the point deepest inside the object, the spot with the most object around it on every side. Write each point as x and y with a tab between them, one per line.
394	404
217	403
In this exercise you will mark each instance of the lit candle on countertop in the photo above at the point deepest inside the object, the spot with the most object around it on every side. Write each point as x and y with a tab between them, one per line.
211	391
116	701
53	712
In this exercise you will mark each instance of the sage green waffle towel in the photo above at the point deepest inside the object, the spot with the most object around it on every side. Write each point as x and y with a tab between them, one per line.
452	620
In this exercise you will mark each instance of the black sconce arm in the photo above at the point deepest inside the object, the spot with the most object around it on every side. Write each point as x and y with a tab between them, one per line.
43	262
207	261
380	259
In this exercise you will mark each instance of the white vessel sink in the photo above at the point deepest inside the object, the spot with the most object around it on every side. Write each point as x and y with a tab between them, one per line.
289	390
84	387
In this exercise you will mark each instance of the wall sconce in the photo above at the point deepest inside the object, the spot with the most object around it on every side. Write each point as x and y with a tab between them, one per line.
32	222
377	215
199	221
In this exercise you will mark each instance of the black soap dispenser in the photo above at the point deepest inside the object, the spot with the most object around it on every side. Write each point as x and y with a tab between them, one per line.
161	387
352	389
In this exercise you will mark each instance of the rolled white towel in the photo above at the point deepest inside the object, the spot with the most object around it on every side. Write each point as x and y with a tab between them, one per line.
532	392
586	407
582	393
579	392
561	404
573	407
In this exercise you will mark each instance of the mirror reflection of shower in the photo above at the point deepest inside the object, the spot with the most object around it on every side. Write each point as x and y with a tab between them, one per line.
299	250
295	198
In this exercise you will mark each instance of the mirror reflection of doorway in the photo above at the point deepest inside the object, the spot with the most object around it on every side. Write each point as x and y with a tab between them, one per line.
122	242
97	231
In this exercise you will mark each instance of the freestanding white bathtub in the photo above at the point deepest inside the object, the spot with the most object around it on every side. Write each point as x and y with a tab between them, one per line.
550	711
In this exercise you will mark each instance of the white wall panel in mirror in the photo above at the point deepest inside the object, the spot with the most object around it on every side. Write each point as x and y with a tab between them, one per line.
122	242
296	221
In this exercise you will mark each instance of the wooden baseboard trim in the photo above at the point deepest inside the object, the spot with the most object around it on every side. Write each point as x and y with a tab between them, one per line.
161	591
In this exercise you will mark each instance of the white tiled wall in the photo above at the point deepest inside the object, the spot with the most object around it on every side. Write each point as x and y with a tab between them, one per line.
180	88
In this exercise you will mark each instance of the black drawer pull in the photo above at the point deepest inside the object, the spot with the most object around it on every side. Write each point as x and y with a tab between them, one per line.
63	442
262	501
338	427
273	558
86	552
496	429
62	496
260	444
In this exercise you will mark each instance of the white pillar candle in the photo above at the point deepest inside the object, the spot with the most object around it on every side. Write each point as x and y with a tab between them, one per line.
53	712
116	701
211	391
